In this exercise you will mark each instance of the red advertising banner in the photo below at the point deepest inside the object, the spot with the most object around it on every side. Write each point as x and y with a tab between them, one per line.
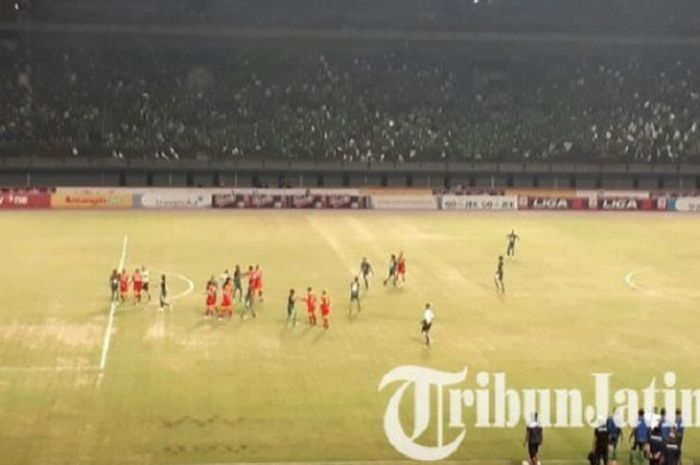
552	203
629	204
11	201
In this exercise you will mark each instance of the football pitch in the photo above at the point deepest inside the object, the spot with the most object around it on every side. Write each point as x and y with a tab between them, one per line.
586	293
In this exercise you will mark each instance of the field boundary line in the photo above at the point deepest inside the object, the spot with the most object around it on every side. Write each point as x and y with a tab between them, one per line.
112	309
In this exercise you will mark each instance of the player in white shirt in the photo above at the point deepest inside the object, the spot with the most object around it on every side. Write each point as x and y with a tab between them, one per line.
145	280
427	323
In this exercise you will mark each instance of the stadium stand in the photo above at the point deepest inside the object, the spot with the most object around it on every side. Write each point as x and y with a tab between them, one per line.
393	105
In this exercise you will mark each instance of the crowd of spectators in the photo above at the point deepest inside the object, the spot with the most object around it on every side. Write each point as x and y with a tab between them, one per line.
664	18
346	105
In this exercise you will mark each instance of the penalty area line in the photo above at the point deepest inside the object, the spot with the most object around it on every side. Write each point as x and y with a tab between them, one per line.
112	309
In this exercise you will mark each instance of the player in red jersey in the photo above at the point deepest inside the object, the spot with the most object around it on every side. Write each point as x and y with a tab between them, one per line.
137	283
226	309
401	268
123	285
210	308
326	309
310	300
258	283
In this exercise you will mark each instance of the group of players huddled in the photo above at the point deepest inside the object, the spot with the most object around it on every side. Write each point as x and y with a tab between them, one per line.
139	280
231	286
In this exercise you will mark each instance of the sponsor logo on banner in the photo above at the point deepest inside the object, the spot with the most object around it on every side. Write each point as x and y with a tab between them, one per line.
345	201
552	203
446	405
630	204
687	204
404	202
618	204
479	202
106	201
173	200
258	200
11	201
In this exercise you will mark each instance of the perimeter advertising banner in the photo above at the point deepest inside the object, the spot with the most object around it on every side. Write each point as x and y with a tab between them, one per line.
258	200
175	199
311	200
12	201
552	203
631	204
685	204
479	202
404	201
92	200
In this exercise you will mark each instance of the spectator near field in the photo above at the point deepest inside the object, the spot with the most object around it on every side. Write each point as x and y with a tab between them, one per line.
680	429
534	437
656	446
639	436
672	454
601	442
612	425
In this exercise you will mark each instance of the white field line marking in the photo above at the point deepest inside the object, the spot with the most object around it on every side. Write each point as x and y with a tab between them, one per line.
49	368
112	308
180	295
105	346
629	279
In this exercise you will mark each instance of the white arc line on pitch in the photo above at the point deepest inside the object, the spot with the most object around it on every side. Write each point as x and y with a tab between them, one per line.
629	280
112	308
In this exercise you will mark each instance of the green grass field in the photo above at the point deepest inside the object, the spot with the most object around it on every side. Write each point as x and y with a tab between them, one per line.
181	390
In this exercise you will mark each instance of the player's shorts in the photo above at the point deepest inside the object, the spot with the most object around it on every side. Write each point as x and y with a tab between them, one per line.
137	287
145	286
499	276
601	456
426	327
532	450
639	445
354	296
290	311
